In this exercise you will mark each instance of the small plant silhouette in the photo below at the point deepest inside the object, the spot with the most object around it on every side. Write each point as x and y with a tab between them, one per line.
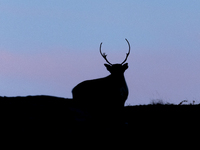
157	102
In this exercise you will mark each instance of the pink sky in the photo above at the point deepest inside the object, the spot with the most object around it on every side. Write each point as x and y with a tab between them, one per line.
56	73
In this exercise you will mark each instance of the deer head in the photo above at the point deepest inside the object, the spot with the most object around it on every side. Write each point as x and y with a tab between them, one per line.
116	68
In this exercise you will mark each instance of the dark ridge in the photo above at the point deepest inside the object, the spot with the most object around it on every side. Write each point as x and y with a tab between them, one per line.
39	99
54	117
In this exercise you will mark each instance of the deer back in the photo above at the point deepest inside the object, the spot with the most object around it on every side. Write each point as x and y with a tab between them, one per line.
104	91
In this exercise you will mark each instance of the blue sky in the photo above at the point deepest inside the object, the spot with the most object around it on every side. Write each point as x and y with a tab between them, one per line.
49	46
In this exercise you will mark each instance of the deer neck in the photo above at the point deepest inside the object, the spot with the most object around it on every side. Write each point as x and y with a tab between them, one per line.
117	77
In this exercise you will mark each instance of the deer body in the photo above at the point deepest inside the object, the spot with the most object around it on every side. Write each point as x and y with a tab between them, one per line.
109	91
104	93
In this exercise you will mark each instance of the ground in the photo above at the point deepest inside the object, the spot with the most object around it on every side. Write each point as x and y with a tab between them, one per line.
36	117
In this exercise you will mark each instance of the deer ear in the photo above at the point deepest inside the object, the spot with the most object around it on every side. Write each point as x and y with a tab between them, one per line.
107	66
125	66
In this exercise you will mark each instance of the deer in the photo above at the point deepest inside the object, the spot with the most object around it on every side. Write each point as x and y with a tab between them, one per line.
104	93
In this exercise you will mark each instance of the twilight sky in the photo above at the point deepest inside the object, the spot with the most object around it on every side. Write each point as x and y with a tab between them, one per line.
47	47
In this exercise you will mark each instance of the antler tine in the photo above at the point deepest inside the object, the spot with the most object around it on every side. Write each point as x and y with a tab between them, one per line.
104	55
127	54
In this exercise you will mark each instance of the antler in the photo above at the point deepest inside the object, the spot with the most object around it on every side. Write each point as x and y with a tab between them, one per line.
128	51
104	55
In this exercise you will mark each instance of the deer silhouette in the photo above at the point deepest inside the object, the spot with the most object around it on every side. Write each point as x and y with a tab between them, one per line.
107	92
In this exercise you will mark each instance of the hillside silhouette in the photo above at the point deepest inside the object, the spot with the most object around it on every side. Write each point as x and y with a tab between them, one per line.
48	116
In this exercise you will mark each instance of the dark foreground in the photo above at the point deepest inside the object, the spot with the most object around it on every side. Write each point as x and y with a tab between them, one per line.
39	118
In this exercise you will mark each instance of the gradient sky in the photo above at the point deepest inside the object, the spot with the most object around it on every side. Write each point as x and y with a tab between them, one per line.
47	47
